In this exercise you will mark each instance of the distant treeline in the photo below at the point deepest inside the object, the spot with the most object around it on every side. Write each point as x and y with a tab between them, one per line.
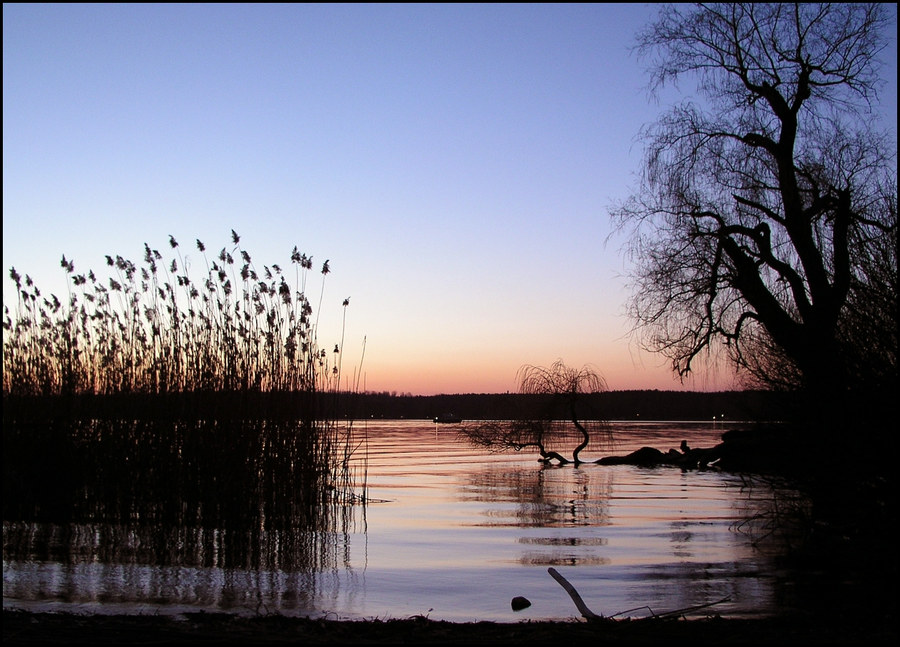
612	405
224	405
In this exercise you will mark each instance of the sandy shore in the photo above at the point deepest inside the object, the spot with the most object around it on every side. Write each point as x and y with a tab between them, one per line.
24	628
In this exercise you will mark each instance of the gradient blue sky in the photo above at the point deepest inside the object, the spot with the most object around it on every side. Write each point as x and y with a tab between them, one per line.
455	163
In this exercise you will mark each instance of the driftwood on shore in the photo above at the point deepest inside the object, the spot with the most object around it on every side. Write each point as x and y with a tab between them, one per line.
576	598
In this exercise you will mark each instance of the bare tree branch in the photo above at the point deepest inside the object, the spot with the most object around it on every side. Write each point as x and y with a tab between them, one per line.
760	220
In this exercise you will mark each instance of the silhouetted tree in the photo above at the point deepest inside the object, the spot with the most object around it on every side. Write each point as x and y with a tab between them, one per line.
766	219
561	412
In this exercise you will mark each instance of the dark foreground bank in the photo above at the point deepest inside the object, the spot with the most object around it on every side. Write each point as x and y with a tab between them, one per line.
23	628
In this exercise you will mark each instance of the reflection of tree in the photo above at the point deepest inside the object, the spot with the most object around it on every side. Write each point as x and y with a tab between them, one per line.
680	538
566	551
774	514
549	498
561	414
546	498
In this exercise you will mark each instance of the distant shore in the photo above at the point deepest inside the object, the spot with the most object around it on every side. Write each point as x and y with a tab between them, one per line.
717	406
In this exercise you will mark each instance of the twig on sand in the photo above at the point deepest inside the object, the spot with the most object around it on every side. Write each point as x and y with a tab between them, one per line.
678	612
670	614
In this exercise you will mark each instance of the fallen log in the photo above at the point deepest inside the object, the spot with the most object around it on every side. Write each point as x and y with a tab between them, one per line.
652	457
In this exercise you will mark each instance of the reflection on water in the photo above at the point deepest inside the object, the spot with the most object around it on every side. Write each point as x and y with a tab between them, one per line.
448	532
203	513
541	497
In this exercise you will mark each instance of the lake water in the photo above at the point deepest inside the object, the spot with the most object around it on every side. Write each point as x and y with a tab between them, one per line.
449	532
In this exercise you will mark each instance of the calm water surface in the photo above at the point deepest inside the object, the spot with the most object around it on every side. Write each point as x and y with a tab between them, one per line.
449	532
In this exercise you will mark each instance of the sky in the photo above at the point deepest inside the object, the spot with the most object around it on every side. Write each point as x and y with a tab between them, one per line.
455	164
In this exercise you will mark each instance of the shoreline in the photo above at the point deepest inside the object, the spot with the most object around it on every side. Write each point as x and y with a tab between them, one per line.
28	628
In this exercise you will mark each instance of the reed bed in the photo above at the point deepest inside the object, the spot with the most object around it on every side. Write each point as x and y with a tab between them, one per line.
151	396
153	328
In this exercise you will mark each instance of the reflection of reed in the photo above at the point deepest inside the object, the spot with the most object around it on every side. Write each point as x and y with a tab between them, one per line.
160	546
257	494
89	580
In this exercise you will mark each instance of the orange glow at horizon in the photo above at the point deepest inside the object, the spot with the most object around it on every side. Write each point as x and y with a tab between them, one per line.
465	375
